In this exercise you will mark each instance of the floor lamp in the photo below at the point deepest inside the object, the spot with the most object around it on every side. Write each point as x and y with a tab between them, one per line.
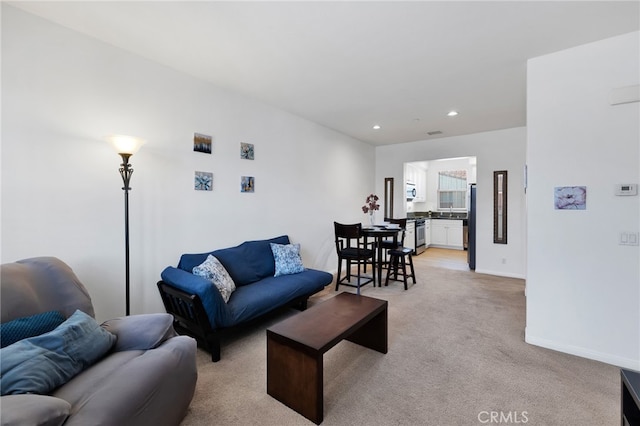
126	146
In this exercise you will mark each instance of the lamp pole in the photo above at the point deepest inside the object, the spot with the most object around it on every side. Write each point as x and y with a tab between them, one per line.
126	146
126	171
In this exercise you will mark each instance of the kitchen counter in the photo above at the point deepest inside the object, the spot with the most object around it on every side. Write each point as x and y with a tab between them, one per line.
455	216
439	230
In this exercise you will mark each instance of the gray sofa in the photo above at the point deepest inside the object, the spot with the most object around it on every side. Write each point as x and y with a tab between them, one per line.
146	377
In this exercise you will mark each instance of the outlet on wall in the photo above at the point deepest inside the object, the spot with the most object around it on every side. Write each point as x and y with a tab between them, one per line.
629	239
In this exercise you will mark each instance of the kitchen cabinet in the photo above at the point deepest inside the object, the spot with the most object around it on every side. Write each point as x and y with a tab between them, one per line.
427	233
446	233
418	176
438	234
410	235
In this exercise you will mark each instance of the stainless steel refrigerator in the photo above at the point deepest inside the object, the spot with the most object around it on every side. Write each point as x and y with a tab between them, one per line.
471	227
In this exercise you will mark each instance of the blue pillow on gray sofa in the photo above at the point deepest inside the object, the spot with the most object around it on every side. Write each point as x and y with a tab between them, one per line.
40	364
35	325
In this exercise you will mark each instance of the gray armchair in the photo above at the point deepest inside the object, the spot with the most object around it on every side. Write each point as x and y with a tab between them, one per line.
147	378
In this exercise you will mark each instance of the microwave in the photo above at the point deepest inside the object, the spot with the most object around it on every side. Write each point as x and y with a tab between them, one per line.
411	191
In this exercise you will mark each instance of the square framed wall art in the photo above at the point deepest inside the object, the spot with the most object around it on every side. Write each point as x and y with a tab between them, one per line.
246	151
247	184
203	181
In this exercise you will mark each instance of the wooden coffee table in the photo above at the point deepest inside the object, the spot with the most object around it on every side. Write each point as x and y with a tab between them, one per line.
295	347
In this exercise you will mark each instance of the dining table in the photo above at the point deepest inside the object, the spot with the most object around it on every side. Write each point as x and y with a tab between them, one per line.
378	233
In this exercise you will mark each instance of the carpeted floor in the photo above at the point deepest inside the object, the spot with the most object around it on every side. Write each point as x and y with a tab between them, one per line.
456	356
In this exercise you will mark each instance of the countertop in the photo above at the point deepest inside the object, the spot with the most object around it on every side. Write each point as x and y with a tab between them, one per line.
456	216
460	216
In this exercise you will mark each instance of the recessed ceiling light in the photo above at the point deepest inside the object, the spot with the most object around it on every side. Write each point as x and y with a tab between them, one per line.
452	113
376	127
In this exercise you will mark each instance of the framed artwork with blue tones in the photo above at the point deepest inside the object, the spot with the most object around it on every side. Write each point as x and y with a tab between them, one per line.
203	181
246	151
247	184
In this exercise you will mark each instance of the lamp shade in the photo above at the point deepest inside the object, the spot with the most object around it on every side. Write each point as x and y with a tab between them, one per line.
125	144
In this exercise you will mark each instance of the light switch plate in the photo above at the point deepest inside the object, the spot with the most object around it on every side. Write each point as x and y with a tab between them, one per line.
629	239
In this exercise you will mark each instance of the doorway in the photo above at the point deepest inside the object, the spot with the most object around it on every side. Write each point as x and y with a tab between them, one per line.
443	192
426	176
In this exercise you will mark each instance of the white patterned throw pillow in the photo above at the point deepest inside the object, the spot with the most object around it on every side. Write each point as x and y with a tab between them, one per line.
215	272
287	258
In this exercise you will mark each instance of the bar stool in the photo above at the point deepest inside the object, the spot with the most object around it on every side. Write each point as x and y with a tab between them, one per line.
397	259
396	242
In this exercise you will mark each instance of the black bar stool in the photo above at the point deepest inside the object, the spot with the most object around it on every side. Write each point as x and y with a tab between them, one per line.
397	259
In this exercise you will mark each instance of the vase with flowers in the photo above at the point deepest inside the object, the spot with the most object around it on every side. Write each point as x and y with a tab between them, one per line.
370	207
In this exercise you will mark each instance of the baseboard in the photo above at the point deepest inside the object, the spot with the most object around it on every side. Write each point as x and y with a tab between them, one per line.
501	274
445	247
623	362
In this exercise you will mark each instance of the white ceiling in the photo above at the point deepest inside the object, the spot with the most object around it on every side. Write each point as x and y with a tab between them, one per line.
351	64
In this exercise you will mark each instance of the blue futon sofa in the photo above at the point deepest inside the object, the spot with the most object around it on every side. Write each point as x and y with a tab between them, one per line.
198	307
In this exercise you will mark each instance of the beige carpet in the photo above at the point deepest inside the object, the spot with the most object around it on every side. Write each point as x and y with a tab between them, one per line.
456	356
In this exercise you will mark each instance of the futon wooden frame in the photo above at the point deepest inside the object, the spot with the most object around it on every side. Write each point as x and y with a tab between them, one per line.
190	318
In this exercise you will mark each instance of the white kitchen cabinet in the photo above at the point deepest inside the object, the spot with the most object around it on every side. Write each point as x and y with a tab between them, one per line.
454	236
446	233
418	176
427	233
421	185
410	235
438	233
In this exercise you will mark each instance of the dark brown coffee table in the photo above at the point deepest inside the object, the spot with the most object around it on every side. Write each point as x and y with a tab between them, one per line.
296	345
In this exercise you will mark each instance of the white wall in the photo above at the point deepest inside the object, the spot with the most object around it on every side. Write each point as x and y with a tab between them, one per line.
497	150
583	289
61	191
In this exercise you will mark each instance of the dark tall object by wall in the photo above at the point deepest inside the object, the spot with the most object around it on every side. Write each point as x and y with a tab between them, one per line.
471	217
388	197
500	207
126	146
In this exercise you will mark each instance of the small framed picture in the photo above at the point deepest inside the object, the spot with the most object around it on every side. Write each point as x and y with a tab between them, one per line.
203	181
202	143
570	197
247	184
246	151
